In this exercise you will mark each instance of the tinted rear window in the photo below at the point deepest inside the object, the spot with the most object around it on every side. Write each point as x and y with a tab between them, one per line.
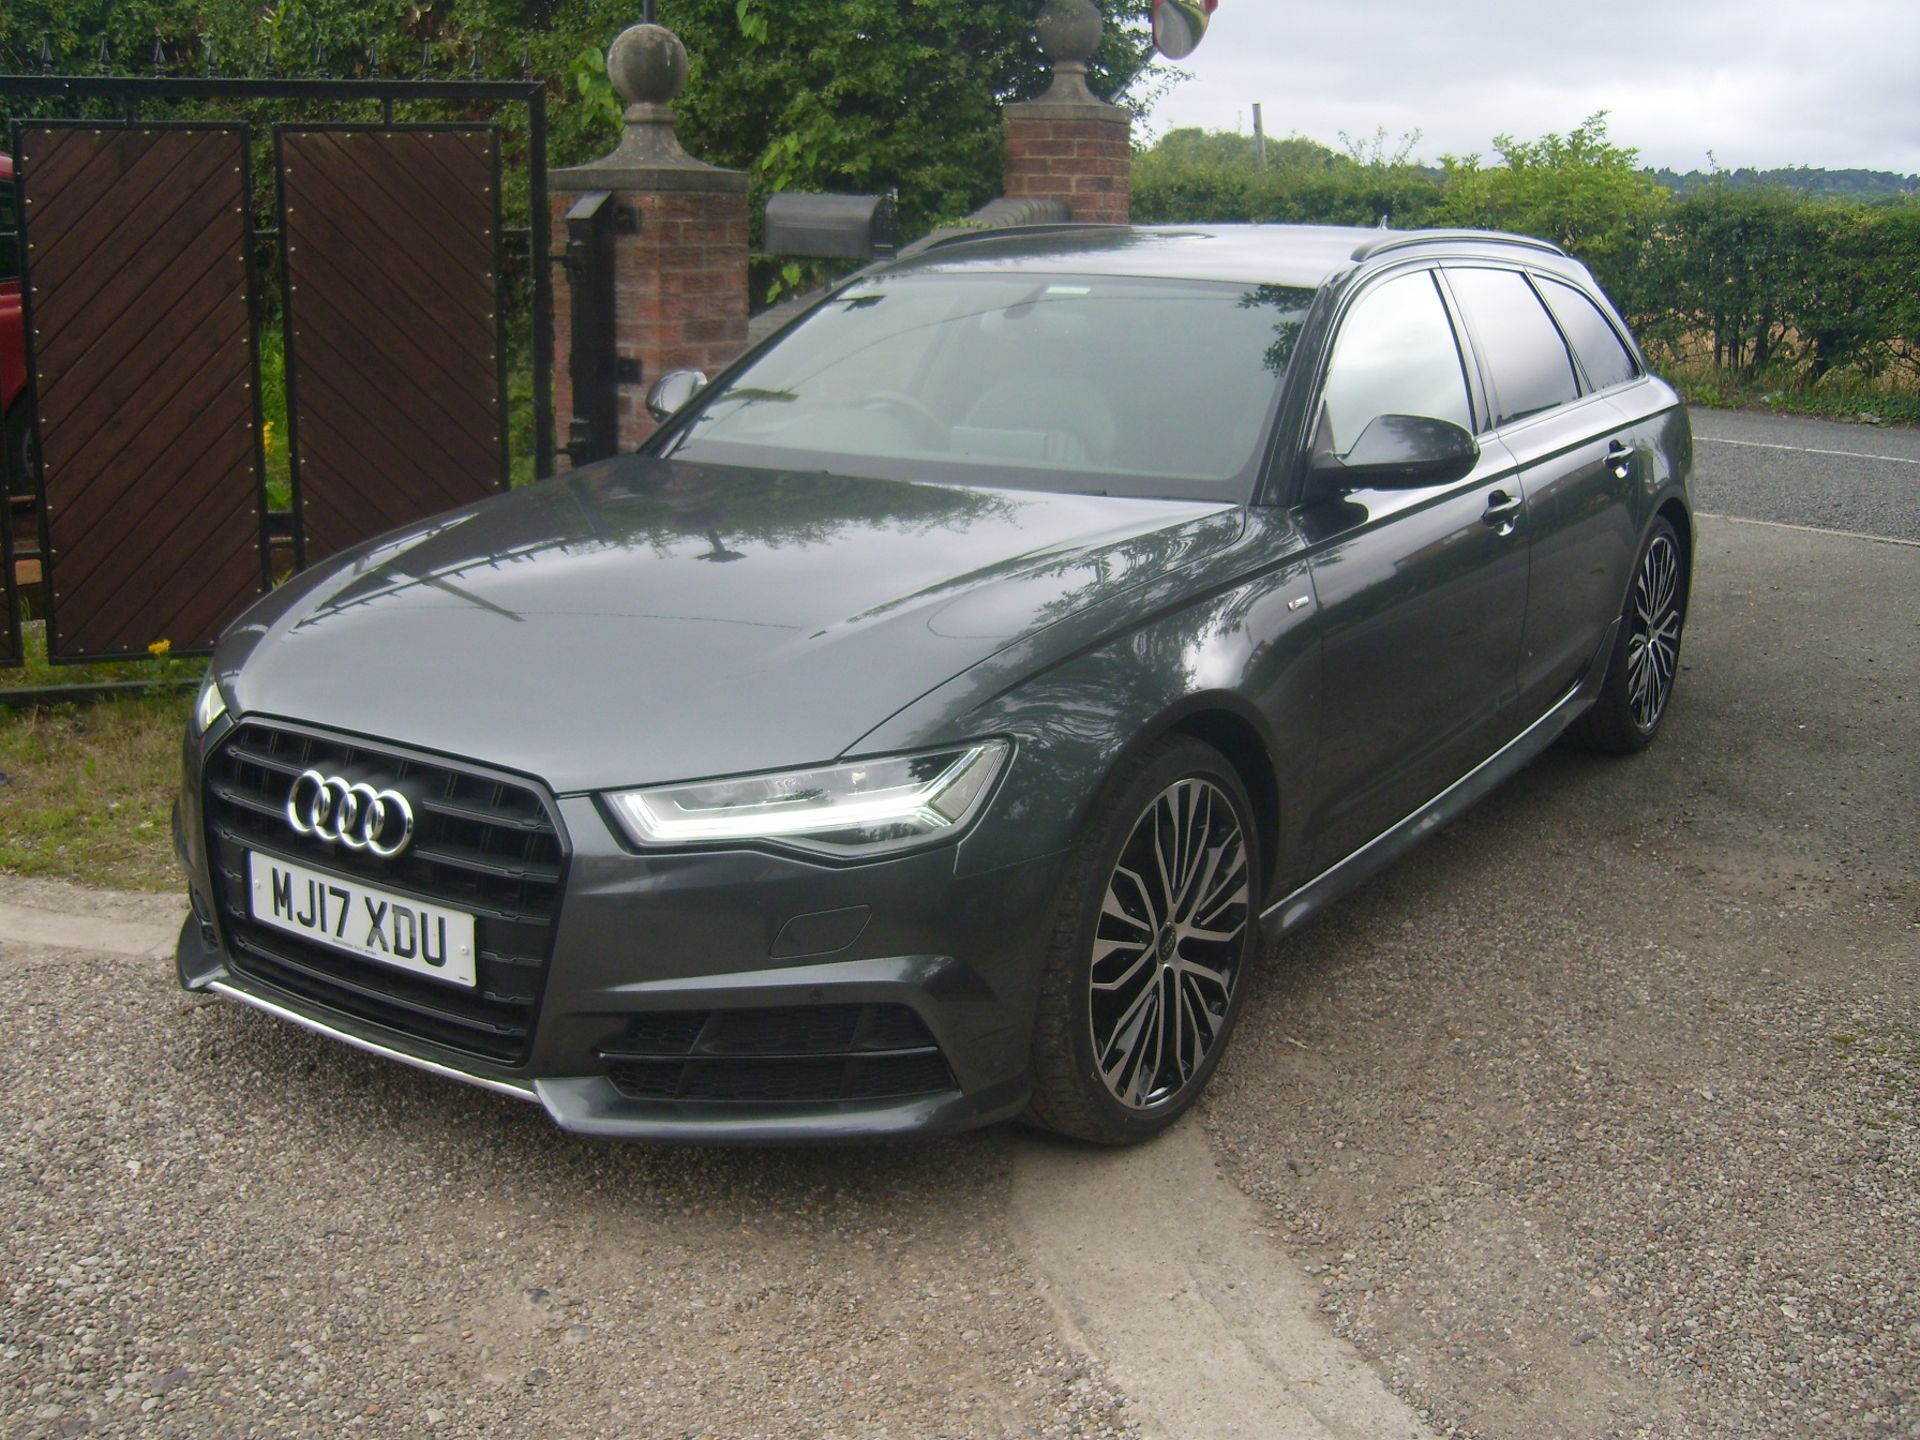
1603	355
1523	353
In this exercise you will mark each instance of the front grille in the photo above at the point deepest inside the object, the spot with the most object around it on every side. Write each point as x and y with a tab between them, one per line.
786	1055
483	843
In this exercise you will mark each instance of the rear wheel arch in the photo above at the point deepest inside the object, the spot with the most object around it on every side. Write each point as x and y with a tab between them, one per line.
1676	515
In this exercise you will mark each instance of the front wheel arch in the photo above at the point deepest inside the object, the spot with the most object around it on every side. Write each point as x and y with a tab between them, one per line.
1235	737
1072	1091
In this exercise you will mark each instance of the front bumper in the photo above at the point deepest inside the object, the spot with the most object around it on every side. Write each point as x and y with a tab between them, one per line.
763	946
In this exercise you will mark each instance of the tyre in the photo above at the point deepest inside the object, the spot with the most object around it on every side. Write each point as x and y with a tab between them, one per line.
1646	653
1159	920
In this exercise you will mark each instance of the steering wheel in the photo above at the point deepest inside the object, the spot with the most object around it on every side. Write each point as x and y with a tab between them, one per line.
927	428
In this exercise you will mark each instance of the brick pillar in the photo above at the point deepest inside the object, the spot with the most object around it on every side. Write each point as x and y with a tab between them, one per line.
680	266
1069	145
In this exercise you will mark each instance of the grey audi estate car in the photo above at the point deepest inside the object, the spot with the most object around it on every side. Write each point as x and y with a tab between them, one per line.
928	725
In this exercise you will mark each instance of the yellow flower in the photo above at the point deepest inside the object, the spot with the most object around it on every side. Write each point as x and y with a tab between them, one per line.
266	437
159	648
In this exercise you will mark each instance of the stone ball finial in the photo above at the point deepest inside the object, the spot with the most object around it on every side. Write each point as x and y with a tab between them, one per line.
648	65
1069	31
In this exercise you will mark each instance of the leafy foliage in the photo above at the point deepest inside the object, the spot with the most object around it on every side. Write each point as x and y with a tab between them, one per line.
1806	179
871	95
1192	175
865	95
1585	194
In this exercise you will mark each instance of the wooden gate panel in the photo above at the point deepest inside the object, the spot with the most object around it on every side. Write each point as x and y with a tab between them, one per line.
142	351
10	616
395	373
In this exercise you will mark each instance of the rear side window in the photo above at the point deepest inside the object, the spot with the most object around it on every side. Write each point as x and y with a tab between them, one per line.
1525	357
1602	353
1396	355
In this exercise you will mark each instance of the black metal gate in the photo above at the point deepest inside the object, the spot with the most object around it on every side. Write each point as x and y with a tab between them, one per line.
147	251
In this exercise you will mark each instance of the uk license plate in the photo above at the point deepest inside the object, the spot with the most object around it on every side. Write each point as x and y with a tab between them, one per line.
375	925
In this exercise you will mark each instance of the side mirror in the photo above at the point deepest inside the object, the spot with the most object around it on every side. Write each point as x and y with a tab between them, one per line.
672	390
1179	24
1399	452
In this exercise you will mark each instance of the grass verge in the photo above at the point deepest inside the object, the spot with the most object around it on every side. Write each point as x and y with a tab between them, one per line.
36	670
86	791
1725	390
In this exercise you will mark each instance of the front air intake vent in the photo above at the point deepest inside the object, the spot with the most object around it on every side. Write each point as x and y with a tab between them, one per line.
786	1055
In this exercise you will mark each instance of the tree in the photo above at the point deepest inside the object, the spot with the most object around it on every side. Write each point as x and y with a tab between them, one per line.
866	95
1578	190
1192	175
863	95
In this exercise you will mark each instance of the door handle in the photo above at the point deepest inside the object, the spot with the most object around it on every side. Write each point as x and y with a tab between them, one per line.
1502	511
1620	457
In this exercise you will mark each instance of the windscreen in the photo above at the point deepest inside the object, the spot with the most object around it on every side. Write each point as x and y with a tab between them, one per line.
1083	383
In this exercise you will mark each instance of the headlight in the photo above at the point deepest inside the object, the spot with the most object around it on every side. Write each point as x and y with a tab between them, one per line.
865	807
209	707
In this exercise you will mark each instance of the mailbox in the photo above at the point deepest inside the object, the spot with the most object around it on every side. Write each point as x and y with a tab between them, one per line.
831	227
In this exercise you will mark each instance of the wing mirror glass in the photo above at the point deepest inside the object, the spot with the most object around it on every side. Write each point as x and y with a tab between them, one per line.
672	390
1400	452
1178	25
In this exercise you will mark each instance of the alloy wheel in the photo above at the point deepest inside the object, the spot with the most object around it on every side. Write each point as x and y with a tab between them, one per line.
1168	946
1653	641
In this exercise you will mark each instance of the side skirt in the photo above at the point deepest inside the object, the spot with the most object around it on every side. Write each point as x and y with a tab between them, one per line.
1288	914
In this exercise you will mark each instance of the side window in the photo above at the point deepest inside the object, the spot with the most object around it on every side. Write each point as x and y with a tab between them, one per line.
1603	356
1396	355
1522	351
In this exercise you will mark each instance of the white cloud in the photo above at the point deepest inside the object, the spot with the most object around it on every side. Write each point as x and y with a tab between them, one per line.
1833	84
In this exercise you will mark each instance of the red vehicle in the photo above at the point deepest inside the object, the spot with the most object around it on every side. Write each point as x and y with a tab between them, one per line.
13	342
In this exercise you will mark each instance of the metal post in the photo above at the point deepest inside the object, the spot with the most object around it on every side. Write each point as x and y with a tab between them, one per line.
594	432
1259	137
539	221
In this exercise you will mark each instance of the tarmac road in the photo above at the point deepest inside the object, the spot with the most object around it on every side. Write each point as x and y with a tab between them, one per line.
1799	471
1596	1116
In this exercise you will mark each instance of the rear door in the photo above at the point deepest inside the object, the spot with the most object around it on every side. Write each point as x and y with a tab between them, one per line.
1422	591
1576	466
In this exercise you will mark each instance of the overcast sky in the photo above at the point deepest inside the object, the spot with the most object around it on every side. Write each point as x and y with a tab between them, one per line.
1834	83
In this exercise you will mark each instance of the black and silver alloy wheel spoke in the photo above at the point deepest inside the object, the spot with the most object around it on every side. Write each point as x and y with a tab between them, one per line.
1166	952
1653	641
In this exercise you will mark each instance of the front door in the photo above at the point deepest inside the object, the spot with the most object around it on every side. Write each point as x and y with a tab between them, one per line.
1422	591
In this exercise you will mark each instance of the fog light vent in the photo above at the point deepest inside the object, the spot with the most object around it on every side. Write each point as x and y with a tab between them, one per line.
777	1055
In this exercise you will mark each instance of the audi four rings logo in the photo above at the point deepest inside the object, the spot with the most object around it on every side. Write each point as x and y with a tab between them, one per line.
354	815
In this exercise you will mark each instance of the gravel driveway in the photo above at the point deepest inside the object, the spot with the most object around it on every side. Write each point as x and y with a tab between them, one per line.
212	1224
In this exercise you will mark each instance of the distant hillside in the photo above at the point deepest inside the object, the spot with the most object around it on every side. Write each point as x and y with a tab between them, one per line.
1841	184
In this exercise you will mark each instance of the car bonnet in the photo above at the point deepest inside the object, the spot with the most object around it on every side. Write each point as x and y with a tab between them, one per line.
649	620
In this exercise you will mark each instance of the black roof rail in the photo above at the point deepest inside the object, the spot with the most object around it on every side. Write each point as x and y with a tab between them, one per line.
1405	239
1001	232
